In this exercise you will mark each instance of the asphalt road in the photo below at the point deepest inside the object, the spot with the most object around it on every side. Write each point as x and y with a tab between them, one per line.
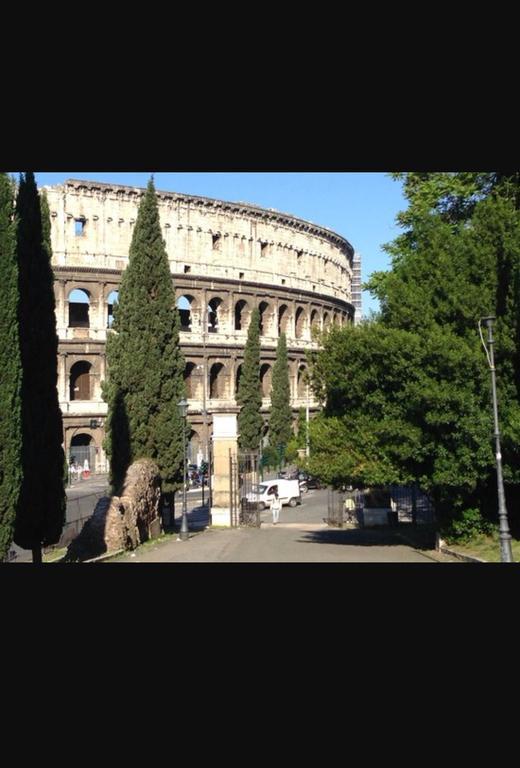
300	537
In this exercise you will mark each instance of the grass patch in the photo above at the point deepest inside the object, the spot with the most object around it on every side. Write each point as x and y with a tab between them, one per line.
485	547
55	555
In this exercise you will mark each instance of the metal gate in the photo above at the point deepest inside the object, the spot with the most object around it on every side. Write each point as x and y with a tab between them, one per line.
243	489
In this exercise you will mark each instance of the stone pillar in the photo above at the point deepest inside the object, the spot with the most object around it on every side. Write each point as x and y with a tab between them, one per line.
224	444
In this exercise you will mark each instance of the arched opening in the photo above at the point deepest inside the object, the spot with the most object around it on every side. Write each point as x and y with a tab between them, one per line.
81	450
241	315
188	380
266	379
301	389
79	381
315	320
326	320
216	381
262	308
193	447
335	320
283	319
184	305
79	303
238	376
112	298
299	323
213	315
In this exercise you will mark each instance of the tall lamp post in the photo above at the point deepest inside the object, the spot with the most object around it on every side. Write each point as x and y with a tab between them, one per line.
183	410
506	554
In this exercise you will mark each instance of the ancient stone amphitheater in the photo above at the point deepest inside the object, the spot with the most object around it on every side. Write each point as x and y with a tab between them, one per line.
225	259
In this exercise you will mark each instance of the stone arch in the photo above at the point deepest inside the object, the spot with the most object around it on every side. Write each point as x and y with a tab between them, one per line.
326	321
112	298
217	386
185	306
193	446
283	319
265	320
301	383
214	312
315	319
189	382
80	381
238	376
266	373
299	323
82	448
242	315
79	305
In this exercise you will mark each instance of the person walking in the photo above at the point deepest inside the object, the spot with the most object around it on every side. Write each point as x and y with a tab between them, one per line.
350	504
276	505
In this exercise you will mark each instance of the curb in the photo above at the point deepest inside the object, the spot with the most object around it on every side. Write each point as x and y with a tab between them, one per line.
459	556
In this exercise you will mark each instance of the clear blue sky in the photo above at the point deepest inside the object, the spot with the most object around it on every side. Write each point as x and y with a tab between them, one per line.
359	206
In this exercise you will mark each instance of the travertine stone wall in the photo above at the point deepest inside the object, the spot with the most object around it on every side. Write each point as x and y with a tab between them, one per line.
224	256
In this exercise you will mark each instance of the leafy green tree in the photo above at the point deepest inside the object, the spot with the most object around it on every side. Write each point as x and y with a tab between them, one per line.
249	395
10	369
407	396
280	420
145	364
42	501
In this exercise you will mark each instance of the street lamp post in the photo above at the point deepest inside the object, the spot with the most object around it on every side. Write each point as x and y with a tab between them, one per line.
183	410
506	554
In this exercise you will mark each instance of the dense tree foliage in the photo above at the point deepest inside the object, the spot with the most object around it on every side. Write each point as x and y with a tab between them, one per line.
145	364
408	395
42	502
249	396
280	420
10	369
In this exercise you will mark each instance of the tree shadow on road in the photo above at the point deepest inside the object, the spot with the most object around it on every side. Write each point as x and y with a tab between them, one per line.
419	537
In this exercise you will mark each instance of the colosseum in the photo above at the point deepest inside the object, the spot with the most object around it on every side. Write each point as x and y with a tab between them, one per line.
225	258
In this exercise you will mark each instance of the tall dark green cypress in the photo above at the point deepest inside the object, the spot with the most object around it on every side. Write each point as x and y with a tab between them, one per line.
42	502
144	360
280	421
10	370
249	395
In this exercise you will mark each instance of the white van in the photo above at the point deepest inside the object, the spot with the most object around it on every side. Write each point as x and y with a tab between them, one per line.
288	491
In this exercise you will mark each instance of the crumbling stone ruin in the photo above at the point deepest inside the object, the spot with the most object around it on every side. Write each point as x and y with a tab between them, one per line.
122	522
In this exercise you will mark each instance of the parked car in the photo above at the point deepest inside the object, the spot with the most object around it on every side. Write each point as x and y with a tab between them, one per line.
288	490
310	481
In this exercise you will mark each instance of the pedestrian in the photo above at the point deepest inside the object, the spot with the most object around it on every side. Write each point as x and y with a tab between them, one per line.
275	505
350	504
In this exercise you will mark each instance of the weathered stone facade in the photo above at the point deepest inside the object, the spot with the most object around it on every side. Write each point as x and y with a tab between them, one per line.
225	258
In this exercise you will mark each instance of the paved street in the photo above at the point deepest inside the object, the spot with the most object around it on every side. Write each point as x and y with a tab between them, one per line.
300	537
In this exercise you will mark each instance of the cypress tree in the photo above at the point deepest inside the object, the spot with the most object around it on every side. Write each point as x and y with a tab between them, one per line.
144	360
249	396
280	422
42	501
10	370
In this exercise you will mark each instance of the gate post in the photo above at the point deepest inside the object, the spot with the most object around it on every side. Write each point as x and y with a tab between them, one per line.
224	438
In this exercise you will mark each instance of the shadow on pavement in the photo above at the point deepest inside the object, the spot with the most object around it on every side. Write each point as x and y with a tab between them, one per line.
414	536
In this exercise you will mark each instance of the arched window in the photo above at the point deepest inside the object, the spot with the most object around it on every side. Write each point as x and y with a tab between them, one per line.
302	382
80	381
283	318
315	319
213	315
241	315
216	381
184	305
265	379
237	378
112	298
79	302
299	322
262	308
188	381
193	447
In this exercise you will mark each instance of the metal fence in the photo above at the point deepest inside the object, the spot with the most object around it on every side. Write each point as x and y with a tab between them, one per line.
404	504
